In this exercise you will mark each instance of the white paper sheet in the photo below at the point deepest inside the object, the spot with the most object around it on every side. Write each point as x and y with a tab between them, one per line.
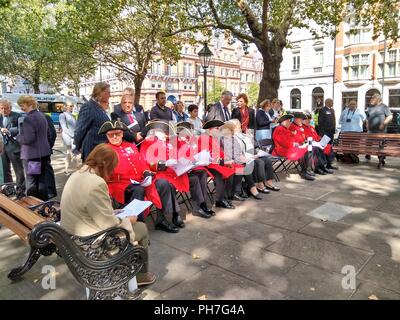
181	169
202	158
134	208
262	153
324	141
145	183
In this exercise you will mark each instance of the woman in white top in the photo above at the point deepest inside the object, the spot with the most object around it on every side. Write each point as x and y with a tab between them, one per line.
68	124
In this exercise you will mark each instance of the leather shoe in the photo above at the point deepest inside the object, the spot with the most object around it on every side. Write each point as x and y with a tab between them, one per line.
326	170
273	188
329	166
177	220
256	196
306	176
147	278
201	213
204	207
244	195
319	171
224	204
236	197
166	226
265	190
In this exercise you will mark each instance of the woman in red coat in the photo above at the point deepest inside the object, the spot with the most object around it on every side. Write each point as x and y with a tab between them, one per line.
132	166
286	146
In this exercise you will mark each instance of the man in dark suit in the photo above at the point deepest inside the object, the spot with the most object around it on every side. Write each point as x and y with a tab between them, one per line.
91	117
135	121
49	171
12	149
160	111
327	126
219	111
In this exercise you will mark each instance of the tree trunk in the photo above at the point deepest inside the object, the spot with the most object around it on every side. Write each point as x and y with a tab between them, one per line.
138	81
270	80
36	81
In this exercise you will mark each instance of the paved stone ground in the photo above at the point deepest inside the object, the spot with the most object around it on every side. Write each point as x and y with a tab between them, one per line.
292	245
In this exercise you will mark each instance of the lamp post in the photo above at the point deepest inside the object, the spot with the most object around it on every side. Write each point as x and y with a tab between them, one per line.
205	55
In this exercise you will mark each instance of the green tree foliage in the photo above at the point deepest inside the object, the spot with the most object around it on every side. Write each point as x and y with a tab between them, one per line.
267	23
128	34
34	46
215	88
253	90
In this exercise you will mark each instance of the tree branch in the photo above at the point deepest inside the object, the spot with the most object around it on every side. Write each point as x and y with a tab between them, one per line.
251	19
264	19
194	27
224	26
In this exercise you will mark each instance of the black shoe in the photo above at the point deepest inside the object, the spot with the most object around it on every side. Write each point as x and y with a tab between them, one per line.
320	171
330	166
306	176
273	188
265	190
177	220
166	226
311	173
326	170
256	196
204	207
244	195
224	204
236	197
202	213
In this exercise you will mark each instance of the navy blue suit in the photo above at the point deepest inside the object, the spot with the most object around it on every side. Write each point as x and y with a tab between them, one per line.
139	127
91	117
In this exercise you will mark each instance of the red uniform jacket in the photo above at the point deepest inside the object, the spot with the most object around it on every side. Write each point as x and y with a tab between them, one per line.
283	144
298	132
207	142
131	165
310	131
154	150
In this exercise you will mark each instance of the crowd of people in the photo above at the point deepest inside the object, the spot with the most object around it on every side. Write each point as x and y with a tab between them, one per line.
130	154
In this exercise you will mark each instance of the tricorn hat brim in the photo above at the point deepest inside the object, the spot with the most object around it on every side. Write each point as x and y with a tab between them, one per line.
213	124
161	125
285	117
299	115
112	125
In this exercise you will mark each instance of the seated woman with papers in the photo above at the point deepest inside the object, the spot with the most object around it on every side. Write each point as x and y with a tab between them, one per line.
133	179
86	204
160	155
198	174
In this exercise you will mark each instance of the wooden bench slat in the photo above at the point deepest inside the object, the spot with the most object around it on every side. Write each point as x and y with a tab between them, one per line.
26	216
18	228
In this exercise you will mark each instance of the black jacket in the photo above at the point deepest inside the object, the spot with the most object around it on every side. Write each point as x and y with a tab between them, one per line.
326	122
140	127
216	113
237	115
262	120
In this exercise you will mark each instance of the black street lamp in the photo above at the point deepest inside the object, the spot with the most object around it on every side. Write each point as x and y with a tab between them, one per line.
205	55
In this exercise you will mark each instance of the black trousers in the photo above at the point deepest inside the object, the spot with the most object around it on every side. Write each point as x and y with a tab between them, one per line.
132	192
268	170
223	188
198	187
50	180
167	194
36	185
8	158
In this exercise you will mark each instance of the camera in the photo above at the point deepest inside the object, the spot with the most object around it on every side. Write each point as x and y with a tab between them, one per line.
348	120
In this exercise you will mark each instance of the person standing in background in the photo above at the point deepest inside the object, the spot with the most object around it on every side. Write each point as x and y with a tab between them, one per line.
352	118
68	125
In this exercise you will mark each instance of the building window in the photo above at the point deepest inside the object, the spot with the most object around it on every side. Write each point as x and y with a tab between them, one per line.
356	36
222	72
319	59
317	98
357	67
296	62
394	98
187	70
347	96
153	85
392	63
226	72
295	99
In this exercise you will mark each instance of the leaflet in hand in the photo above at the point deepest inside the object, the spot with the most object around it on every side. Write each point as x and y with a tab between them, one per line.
203	158
180	169
145	183
134	208
322	143
262	153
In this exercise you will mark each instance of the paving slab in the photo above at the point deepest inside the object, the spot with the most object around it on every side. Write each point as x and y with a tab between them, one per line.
217	283
325	254
368	291
330	211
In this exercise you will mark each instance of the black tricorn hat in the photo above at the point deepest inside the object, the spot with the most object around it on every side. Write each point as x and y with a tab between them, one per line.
213	124
112	125
299	115
285	117
161	125
308	115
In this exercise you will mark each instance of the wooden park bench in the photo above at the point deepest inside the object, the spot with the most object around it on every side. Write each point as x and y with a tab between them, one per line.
377	144
104	262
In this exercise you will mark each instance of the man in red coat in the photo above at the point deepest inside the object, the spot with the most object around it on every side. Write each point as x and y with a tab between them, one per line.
223	174
285	145
159	151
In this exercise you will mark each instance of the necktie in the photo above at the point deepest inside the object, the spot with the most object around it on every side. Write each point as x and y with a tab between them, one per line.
131	119
226	114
